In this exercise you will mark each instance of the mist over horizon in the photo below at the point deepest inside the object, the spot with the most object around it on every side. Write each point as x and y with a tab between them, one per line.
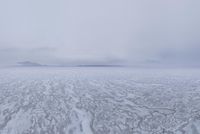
99	66
110	32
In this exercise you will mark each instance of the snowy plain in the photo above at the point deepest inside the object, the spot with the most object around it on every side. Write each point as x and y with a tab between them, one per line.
99	101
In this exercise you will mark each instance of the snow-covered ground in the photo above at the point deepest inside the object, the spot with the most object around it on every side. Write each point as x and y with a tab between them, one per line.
99	101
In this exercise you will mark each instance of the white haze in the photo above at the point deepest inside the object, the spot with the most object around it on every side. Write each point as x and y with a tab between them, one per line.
127	32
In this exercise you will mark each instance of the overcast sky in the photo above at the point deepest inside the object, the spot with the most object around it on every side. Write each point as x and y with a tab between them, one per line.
100	31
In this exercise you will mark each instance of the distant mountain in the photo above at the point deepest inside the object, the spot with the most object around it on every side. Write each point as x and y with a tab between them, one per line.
99	65
29	64
34	64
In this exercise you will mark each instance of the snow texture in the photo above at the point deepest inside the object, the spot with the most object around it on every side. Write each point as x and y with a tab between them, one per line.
99	101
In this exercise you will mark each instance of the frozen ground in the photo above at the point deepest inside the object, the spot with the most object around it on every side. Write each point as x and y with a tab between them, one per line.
99	101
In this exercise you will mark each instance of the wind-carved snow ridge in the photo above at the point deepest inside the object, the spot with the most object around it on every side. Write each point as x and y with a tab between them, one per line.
99	101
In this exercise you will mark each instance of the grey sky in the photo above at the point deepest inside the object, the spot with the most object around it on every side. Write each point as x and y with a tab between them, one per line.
100	31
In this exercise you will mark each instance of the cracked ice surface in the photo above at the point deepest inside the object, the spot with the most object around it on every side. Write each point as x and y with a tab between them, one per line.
99	101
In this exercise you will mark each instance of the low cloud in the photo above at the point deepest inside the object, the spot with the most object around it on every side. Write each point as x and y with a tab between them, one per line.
100	32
